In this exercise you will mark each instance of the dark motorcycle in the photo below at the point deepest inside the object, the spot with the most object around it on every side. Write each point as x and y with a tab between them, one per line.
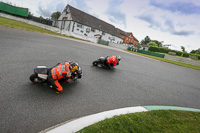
100	62
41	75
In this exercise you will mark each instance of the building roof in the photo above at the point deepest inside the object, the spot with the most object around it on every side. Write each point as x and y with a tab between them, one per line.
125	33
122	32
89	20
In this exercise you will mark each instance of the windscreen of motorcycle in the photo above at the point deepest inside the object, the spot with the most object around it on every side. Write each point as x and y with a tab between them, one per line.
42	76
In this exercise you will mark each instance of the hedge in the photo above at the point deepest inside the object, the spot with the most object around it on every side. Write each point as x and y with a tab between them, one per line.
165	50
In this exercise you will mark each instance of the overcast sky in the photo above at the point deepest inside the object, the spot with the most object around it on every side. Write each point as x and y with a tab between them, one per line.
176	22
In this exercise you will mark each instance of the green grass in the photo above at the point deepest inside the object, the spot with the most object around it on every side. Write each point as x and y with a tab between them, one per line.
169	61
5	22
160	121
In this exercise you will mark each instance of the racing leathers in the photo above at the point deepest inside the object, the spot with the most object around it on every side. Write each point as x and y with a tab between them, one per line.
111	61
59	72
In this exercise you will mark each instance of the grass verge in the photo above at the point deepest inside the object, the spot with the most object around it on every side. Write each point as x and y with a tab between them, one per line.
5	22
167	121
169	61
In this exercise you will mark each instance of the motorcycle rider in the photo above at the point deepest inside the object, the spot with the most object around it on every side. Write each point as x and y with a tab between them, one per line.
112	61
63	72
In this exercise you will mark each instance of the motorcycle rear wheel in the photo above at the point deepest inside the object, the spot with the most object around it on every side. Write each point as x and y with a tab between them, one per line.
95	63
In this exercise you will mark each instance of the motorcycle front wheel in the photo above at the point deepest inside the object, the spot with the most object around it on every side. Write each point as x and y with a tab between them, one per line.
34	78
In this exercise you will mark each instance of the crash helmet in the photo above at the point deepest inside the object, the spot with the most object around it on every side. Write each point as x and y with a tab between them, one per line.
118	57
74	67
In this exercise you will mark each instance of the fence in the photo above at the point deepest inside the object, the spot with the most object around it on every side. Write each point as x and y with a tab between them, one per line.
13	9
40	20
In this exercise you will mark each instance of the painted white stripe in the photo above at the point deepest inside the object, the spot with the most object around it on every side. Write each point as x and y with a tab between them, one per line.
80	123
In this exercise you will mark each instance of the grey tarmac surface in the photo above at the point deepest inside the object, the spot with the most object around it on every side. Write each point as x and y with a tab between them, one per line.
137	81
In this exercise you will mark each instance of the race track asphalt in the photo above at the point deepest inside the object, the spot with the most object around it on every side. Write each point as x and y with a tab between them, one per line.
137	81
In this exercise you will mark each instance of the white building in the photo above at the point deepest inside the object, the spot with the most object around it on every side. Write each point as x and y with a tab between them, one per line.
74	22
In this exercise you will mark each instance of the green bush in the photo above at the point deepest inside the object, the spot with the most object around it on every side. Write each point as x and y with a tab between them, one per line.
186	54
165	50
129	48
179	53
158	49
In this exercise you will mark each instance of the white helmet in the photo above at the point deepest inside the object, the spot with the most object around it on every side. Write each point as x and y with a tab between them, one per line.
118	57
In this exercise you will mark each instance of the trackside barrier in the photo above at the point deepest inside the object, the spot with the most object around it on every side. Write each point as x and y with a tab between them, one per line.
100	41
151	53
13	9
147	52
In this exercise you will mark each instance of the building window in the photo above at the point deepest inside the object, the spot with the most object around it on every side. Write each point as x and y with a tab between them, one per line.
92	30
88	30
79	25
65	18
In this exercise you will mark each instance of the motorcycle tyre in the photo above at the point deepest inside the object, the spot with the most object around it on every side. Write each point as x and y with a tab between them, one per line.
95	63
32	77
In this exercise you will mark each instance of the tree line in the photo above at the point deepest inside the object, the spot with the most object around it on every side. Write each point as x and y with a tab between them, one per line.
155	43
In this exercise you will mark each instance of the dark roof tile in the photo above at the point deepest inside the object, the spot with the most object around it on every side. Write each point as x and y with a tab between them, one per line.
89	20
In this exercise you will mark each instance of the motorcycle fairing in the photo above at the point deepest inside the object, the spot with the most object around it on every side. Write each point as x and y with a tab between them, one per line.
41	71
42	76
102	59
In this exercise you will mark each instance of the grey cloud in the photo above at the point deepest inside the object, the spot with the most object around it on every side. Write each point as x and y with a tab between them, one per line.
81	5
114	14
150	19
180	24
185	8
44	12
167	26
60	6
171	28
182	33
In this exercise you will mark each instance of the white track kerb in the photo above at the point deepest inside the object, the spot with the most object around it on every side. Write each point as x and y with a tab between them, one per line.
80	123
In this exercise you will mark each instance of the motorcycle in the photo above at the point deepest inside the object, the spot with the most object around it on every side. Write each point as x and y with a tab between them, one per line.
41	75
100	62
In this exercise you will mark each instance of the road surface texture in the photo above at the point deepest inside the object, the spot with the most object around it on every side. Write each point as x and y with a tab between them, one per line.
137	81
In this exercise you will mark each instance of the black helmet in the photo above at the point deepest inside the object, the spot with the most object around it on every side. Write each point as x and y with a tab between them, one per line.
74	67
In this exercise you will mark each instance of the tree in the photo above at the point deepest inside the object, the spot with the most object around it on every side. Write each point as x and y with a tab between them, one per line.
55	15
195	51
152	44
146	40
183	48
41	17
30	14
159	44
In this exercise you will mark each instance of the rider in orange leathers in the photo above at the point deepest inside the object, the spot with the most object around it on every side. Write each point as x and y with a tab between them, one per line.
63	72
112	61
